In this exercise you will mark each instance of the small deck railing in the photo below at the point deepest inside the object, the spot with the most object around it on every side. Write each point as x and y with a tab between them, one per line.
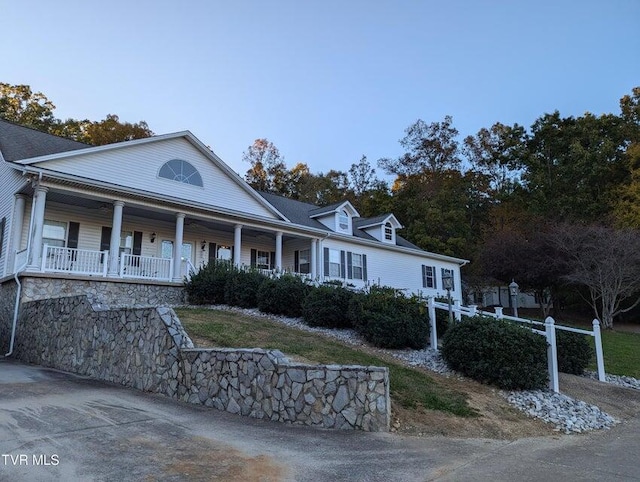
145	267
71	260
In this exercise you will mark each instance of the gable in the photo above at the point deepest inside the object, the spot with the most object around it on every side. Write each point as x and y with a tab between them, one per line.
138	166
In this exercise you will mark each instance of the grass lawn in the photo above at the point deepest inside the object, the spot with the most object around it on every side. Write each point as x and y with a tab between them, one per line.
410	388
621	353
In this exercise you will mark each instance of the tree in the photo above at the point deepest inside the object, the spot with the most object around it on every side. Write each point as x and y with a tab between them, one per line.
19	104
111	130
497	153
574	165
525	251
607	262
268	171
361	176
429	147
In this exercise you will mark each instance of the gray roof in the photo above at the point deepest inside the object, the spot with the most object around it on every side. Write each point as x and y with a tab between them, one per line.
370	221
300	213
19	142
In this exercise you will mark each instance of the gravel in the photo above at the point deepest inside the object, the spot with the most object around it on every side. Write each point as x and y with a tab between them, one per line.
567	414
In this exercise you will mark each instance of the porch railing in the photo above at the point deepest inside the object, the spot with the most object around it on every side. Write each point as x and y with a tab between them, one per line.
77	261
145	267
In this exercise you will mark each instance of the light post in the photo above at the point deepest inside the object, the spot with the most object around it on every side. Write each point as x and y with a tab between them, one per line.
513	289
447	283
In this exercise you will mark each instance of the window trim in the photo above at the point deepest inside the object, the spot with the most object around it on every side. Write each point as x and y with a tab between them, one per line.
343	220
426	277
60	223
171	174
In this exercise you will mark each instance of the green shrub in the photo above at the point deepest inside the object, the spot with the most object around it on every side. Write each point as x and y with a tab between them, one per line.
388	319
207	286
497	352
327	306
574	352
241	288
283	295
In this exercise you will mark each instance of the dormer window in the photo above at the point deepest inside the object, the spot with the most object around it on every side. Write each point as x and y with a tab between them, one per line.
343	220
388	232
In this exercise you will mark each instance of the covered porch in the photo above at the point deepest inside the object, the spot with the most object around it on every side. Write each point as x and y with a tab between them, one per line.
61	228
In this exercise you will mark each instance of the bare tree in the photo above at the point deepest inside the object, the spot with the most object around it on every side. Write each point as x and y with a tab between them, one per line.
607	262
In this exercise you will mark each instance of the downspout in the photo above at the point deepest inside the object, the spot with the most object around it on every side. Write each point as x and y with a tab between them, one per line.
16	277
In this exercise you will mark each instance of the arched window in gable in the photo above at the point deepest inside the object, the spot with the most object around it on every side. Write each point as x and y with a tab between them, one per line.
181	171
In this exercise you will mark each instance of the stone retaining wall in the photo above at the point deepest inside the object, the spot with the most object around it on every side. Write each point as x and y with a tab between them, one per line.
7	305
114	292
148	349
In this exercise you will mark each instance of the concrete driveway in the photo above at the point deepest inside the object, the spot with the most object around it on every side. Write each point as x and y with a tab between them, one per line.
57	426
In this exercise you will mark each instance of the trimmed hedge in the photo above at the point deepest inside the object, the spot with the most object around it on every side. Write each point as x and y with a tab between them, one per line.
207	286
327	306
283	296
574	352
388	319
497	352
241	288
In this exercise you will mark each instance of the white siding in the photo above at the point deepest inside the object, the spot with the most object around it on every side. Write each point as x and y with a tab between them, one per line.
10	182
137	167
398	270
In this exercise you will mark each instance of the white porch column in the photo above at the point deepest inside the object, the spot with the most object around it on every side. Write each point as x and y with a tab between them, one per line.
114	244
35	255
278	251
314	259
237	244
16	235
177	248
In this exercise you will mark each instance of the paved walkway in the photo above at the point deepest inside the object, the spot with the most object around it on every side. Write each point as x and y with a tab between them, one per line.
56	426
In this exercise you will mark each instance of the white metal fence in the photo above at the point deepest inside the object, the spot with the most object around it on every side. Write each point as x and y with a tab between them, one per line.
72	260
145	267
547	329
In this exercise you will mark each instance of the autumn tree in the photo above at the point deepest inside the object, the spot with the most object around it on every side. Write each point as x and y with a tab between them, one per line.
111	130
268	171
607	262
19	104
429	147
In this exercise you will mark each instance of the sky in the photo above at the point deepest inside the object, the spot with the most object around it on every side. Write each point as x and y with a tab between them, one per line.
326	81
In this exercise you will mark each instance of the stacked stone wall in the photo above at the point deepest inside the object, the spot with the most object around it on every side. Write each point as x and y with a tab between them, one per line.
109	293
7	304
147	348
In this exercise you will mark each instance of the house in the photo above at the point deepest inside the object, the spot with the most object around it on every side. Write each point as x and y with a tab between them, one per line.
149	210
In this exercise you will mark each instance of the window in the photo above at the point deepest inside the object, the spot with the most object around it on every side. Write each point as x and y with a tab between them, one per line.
54	233
303	261
2	224
180	171
356	266
224	253
343	220
334	263
126	242
388	232
428	276
450	273
166	250
263	260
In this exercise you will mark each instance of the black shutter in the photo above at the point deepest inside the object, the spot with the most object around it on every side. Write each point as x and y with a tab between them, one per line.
326	261
364	268
212	252
105	238
296	261
272	263
349	265
342	264
424	276
137	243
254	258
2	225
72	238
